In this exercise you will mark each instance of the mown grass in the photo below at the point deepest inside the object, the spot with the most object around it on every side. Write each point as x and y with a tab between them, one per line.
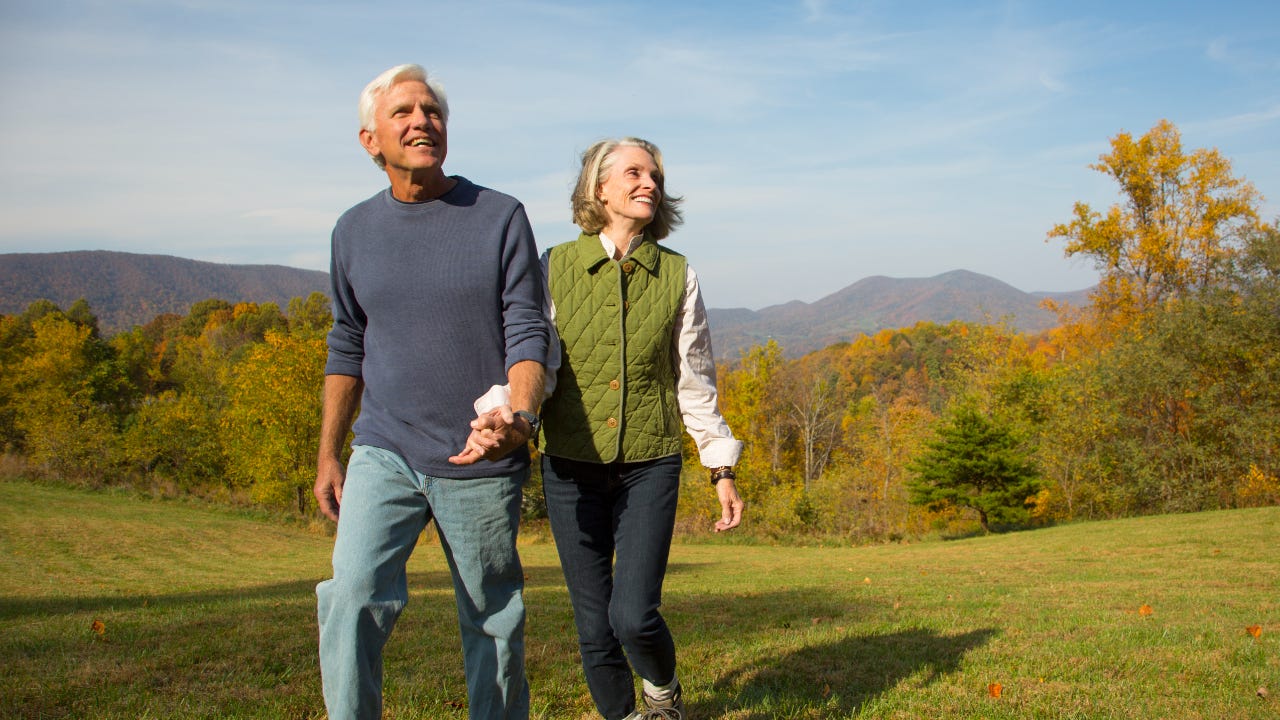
207	613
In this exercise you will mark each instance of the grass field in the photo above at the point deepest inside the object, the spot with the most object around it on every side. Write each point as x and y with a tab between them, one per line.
112	606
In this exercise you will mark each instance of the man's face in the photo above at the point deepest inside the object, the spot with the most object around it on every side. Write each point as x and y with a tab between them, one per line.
409	131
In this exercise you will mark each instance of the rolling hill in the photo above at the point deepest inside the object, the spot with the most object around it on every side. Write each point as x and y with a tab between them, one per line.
876	303
126	289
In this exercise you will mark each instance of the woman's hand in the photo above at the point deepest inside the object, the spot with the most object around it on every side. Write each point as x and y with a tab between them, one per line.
731	505
493	435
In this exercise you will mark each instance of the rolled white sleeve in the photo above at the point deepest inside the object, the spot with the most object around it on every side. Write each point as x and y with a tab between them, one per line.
696	382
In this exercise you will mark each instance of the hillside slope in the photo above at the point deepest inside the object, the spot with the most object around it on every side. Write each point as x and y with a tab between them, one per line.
876	303
127	289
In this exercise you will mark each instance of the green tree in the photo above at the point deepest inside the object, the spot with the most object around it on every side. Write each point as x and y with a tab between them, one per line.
176	436
15	335
975	463
310	316
1198	383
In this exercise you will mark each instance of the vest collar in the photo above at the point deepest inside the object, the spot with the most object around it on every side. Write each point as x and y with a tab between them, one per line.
592	256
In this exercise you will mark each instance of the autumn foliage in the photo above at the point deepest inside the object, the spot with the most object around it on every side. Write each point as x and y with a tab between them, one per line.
1161	395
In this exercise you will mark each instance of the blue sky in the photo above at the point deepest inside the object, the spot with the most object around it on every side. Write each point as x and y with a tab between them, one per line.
815	143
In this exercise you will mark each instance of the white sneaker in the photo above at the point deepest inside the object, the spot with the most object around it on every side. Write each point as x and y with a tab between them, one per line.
671	709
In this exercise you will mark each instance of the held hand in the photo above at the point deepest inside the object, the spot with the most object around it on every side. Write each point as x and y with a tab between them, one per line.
493	435
330	476
731	505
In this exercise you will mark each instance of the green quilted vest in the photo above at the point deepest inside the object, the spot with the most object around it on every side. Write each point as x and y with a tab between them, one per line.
615	397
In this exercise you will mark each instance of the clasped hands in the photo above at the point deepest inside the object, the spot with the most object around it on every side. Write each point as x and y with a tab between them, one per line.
493	435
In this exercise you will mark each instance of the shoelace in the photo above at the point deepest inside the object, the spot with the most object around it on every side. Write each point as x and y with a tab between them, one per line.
662	714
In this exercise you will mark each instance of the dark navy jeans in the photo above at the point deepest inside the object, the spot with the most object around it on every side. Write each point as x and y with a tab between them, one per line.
612	524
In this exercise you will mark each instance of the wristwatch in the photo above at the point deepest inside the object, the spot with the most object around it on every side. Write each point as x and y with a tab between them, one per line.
722	473
534	421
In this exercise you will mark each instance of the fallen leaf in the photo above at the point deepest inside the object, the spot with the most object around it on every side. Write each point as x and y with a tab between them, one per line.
99	627
1254	630
1262	693
994	690
826	690
1145	610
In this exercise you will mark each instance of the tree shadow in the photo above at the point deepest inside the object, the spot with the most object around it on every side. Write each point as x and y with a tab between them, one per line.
844	675
18	606
258	642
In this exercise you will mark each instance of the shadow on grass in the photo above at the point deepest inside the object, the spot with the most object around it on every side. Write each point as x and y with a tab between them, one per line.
17	606
251	652
844	675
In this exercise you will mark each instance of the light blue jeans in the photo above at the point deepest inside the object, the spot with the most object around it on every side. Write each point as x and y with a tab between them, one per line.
385	507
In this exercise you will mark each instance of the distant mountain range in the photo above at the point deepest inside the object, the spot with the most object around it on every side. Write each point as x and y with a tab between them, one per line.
126	289
876	303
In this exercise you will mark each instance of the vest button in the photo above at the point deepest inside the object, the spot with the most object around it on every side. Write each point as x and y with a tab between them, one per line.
614	384
612	422
627	267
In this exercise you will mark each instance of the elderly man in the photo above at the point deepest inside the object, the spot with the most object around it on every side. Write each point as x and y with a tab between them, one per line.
437	296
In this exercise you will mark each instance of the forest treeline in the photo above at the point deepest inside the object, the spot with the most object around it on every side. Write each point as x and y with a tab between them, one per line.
1162	395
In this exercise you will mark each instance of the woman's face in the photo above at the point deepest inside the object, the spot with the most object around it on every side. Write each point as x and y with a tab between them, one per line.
630	193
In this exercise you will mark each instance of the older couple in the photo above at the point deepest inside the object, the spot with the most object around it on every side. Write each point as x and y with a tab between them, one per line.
438	294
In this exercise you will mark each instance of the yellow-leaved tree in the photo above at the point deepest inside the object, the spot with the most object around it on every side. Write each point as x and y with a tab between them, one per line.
1182	221
271	426
62	411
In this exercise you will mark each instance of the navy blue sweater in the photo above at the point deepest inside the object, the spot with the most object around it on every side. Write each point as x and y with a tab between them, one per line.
432	303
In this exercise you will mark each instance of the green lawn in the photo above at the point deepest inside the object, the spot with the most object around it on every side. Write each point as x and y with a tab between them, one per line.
117	607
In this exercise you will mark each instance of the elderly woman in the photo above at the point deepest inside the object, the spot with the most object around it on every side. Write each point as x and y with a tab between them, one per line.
636	361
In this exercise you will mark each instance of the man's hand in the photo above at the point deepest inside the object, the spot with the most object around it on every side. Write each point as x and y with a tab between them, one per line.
731	505
330	476
493	435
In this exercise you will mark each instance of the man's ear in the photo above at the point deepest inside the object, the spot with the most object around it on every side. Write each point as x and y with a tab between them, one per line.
370	143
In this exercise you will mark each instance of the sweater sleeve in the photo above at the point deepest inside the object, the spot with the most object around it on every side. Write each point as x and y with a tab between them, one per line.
523	320
501	394
346	337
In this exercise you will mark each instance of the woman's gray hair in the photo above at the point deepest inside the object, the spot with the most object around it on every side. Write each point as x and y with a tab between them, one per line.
589	213
382	83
